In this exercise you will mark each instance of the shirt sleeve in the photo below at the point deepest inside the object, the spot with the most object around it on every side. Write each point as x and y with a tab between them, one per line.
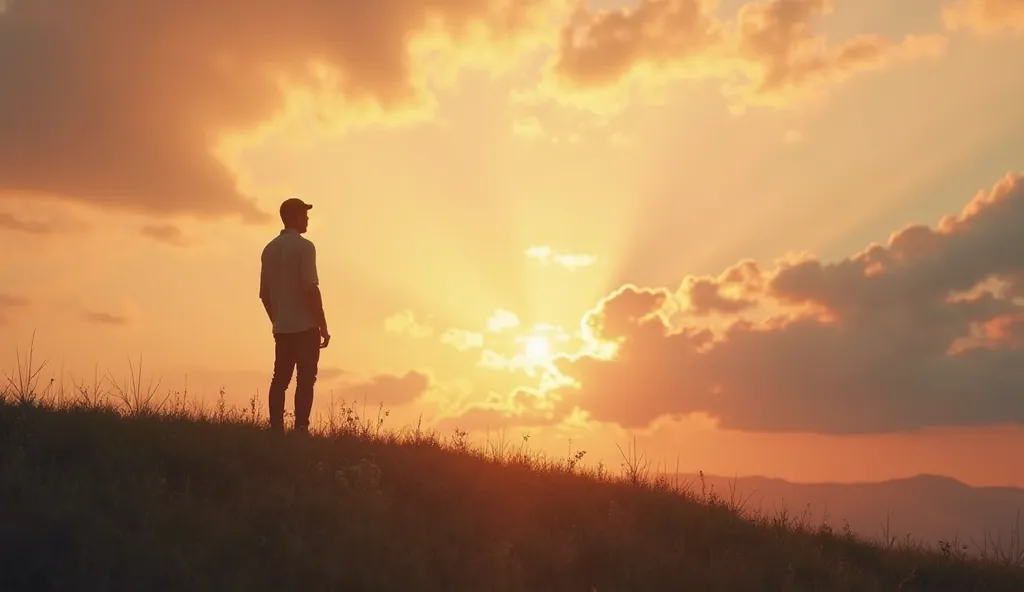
308	267
264	279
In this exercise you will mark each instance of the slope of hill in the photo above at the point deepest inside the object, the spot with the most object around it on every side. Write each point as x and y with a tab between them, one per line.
94	499
927	507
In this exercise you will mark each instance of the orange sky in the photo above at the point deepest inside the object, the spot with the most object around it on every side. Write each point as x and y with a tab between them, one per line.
775	237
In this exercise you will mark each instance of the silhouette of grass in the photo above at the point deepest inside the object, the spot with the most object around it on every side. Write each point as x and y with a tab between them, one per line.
110	487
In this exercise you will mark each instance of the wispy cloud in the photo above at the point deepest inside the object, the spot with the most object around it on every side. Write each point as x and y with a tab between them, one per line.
387	389
404	323
502	320
571	261
11	222
13	301
106	318
528	127
10	302
985	16
165	233
463	340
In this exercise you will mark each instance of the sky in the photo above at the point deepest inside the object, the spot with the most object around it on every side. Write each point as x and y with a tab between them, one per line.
773	237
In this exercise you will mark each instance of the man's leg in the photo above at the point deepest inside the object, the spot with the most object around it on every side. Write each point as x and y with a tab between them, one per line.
284	366
307	359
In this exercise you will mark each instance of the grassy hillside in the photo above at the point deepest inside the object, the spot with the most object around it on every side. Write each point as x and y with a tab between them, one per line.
95	496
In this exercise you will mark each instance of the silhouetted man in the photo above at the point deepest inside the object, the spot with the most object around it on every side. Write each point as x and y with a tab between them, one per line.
290	291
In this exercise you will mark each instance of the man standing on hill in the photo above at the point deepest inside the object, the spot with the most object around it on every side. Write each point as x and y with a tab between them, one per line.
290	291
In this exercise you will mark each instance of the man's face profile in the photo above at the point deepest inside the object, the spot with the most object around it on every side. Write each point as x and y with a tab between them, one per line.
300	220
295	215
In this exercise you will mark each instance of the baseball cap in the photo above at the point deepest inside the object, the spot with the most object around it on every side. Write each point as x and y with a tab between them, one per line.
294	204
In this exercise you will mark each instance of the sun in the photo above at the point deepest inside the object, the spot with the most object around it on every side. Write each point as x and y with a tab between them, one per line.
538	348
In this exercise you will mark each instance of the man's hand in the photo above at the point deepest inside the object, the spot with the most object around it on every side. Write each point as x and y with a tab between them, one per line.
325	337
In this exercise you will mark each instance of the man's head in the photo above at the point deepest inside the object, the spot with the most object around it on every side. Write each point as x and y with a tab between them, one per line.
295	214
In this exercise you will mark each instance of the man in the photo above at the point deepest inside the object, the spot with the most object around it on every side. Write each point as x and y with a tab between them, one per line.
290	291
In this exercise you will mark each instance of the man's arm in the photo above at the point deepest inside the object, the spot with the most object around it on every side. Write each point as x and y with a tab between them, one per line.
266	307
265	289
314	300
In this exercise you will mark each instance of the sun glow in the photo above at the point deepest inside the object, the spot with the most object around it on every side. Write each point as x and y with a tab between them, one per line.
537	348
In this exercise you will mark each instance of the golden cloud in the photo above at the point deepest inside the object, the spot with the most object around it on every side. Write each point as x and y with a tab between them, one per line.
387	389
767	54
134	104
925	330
502	320
405	323
165	233
985	16
871	351
462	340
571	261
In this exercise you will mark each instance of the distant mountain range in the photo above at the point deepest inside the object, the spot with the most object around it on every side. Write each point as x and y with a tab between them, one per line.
927	507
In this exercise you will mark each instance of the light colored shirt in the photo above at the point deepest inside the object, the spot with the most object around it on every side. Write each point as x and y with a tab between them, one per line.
287	272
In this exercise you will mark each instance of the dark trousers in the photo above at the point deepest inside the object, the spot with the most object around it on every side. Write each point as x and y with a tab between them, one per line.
293	351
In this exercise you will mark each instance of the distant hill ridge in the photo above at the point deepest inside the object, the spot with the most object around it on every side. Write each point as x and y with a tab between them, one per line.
927	506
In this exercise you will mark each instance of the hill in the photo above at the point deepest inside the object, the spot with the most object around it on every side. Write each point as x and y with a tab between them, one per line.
926	507
95	498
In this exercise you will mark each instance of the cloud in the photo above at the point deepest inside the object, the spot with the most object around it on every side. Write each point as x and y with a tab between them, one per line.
9	221
405	323
528	127
526	357
571	261
388	389
165	233
9	302
601	47
1006	331
106	318
520	407
733	291
496	361
130	103
924	330
789	61
619	313
463	340
768	53
985	16
502	320
13	301
330	373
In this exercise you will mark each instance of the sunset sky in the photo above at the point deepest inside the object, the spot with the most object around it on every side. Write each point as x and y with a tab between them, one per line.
775	237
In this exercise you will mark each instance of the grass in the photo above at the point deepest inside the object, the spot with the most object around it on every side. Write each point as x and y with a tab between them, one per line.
108	486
